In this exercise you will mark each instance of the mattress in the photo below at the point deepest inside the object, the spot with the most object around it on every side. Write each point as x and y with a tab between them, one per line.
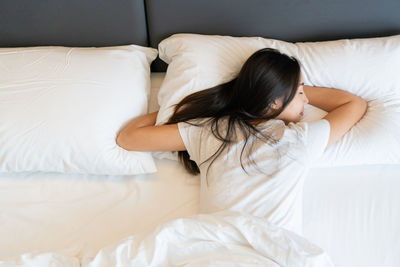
351	212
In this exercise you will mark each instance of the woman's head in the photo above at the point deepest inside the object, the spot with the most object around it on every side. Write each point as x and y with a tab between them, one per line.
268	86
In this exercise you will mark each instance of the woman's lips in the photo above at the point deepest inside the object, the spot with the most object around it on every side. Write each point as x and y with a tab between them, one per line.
301	113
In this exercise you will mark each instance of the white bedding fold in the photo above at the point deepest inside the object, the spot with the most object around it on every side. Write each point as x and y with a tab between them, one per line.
219	239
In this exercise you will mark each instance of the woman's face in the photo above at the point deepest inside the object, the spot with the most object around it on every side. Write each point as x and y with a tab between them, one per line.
295	110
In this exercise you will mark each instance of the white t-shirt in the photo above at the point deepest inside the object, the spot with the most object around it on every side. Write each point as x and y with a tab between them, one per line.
275	194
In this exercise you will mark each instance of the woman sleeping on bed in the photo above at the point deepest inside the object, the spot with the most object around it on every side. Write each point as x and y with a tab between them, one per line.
246	140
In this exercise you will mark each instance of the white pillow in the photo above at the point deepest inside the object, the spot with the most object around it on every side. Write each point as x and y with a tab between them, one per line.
61	108
366	67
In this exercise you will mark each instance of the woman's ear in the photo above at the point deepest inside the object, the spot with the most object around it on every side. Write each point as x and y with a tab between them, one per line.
274	105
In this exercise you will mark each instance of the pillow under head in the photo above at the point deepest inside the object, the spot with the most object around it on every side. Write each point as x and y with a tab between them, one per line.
365	67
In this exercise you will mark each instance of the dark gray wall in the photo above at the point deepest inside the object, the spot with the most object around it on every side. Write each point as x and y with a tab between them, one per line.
72	22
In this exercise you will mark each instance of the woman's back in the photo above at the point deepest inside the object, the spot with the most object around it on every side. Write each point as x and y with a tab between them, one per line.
270	188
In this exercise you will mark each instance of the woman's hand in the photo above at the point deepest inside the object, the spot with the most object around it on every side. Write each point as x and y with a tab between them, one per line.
141	134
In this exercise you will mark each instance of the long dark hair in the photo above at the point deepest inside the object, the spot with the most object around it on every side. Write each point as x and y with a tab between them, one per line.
266	76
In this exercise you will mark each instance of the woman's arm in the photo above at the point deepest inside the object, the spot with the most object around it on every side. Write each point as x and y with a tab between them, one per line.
141	134
344	109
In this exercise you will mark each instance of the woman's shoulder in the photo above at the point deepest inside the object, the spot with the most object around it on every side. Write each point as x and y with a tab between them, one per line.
313	134
305	126
273	127
281	131
197	122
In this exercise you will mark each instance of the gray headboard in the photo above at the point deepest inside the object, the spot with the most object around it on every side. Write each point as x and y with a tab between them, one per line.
288	20
72	22
147	22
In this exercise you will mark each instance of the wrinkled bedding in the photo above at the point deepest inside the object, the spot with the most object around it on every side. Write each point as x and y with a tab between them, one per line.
221	239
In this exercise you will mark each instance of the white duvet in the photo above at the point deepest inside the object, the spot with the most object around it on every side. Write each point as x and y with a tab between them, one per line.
219	239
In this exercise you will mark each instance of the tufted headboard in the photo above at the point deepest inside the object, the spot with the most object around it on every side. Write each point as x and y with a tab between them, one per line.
147	22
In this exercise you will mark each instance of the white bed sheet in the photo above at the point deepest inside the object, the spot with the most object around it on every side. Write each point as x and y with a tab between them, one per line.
352	212
80	214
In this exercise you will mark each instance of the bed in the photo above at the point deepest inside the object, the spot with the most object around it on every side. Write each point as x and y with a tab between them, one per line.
61	219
